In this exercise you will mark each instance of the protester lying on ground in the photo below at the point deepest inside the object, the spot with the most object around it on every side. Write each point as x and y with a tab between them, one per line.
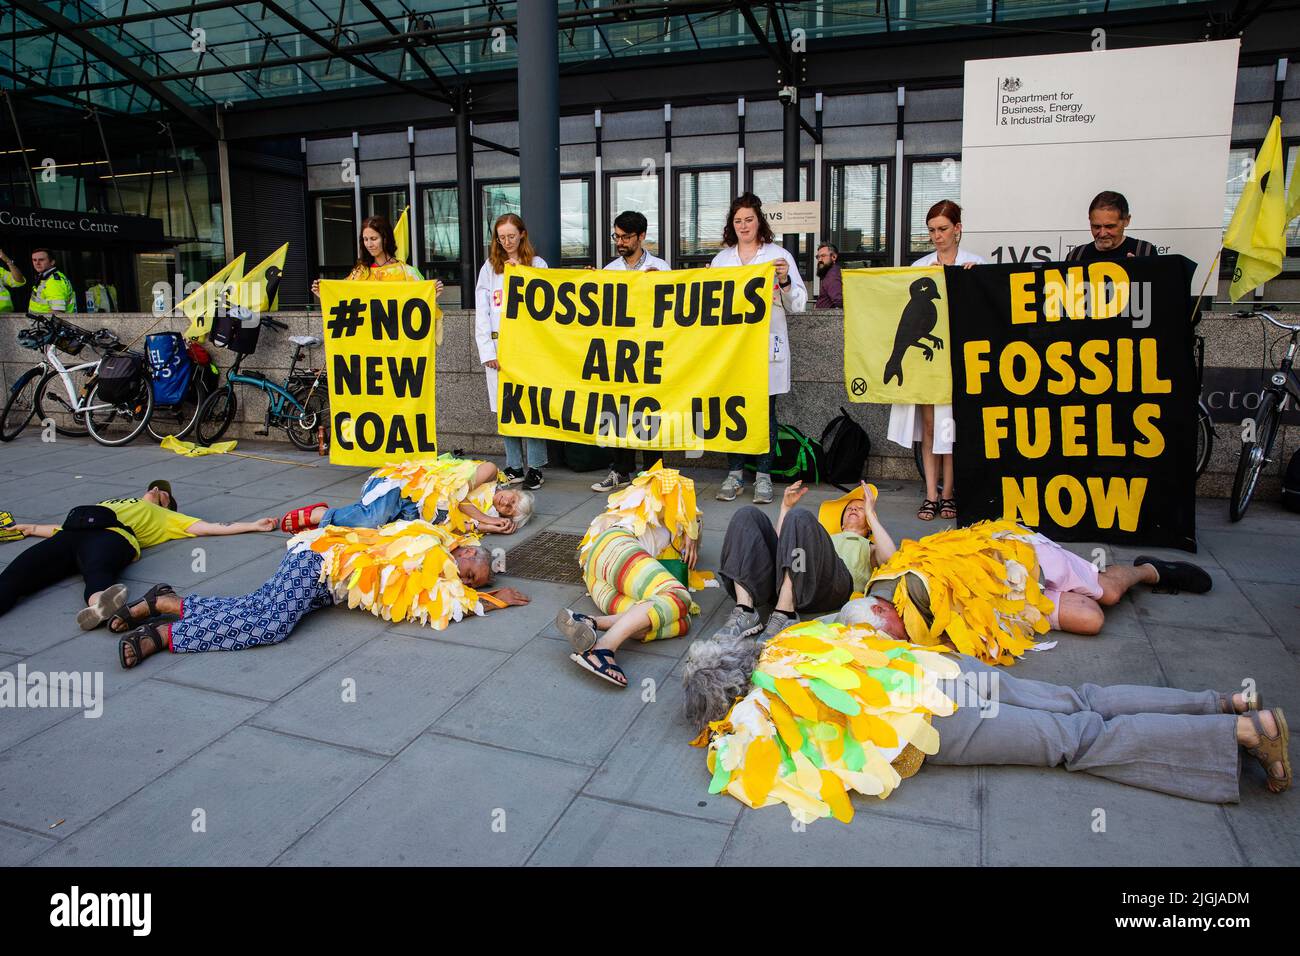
840	707
98	541
975	589
461	492
747	240
405	571
1108	217
638	559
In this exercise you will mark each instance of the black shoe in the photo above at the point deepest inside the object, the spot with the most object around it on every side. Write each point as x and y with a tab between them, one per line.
1177	576
513	475
533	480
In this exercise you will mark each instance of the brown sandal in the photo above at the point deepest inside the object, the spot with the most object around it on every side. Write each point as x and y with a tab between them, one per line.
1272	749
1254	701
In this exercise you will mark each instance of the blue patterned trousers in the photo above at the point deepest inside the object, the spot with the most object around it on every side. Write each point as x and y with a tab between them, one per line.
264	617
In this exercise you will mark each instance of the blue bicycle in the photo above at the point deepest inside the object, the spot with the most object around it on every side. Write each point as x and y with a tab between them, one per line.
299	405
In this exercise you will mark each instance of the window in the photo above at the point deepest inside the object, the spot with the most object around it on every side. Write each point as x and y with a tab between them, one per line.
859	199
497	199
703	199
932	180
388	203
336	235
632	191
768	184
440	234
1293	227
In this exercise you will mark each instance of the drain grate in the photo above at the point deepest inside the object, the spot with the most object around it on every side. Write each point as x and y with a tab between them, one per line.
546	556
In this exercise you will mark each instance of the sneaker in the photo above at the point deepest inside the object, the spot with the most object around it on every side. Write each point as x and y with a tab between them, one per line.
513	475
777	623
1177	576
740	623
579	628
730	489
763	490
611	482
533	480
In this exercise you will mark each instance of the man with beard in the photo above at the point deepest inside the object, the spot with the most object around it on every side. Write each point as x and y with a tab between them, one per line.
831	291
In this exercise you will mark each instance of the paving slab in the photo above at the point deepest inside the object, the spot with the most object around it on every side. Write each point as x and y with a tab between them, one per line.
1266	825
1142	828
509	628
1243	555
1280	606
596	833
174	562
241	801
43	619
542	702
444	802
79	768
1120	654
402	685
771	837
18	847
1224	606
1222	660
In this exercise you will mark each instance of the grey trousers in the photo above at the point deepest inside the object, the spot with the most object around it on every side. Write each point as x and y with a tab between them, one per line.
1157	738
757	559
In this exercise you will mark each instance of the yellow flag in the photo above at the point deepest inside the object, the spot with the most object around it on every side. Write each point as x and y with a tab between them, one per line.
1293	195
896	336
258	289
201	305
1257	232
402	233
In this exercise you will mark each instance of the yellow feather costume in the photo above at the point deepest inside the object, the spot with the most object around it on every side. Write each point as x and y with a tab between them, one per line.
830	707
443	482
982	582
402	571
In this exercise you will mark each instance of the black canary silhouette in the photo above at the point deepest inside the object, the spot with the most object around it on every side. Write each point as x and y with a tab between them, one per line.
917	322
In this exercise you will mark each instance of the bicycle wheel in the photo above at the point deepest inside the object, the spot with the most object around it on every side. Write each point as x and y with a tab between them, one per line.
316	412
120	422
179	419
215	415
1254	456
21	405
52	403
920	459
1204	438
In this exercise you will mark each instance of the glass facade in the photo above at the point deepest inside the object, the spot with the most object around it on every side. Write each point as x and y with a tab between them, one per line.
496	199
336	235
440	234
859	209
703	198
637	193
768	184
932	181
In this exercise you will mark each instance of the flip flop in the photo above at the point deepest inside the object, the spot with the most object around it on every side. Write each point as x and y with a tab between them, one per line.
106	605
604	667
299	519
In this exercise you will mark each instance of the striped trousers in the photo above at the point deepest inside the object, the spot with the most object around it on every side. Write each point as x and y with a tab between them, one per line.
620	573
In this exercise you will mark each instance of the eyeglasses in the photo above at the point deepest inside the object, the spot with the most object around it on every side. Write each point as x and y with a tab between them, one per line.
616	236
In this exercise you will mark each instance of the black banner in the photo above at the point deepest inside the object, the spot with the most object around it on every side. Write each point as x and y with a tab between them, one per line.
51	225
1074	393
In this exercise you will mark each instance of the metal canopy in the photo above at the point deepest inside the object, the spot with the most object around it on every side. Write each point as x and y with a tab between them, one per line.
191	59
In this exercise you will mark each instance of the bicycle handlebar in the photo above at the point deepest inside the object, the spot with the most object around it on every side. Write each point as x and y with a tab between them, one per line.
1251	314
275	323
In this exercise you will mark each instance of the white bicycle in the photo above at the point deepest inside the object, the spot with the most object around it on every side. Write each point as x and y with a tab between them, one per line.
77	411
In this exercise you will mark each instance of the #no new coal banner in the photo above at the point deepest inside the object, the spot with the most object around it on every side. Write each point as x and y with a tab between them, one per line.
659	360
380	339
1074	392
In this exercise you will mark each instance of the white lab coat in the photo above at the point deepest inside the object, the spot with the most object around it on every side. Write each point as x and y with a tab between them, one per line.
647	262
905	425
487	319
793	299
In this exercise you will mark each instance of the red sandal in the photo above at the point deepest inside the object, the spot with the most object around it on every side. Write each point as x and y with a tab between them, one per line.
299	519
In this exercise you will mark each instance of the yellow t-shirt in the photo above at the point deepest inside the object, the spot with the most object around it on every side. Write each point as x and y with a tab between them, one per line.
855	551
152	524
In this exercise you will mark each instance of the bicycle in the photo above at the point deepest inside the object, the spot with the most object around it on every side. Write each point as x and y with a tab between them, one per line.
300	405
82	411
1282	386
179	418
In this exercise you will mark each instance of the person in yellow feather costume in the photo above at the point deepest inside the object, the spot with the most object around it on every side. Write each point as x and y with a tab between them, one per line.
638	559
835	708
461	492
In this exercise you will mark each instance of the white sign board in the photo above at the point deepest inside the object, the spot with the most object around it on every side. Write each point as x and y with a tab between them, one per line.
1042	135
794	216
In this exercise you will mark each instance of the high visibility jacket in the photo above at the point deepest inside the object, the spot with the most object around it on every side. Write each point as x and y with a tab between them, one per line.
52	292
101	298
9	282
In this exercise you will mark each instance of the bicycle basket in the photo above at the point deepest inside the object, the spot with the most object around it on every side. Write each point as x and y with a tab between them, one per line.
229	332
118	376
69	339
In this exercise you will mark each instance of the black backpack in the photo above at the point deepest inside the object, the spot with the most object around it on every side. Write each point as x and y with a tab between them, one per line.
796	457
845	446
118	376
1291	484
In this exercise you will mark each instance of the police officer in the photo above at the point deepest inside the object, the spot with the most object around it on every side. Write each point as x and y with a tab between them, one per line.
10	278
51	290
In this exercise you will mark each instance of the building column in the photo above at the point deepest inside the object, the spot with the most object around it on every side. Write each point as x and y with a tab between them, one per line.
790	160
539	125
465	199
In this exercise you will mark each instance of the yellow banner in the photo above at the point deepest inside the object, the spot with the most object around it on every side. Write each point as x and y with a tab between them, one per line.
659	360
379	346
896	336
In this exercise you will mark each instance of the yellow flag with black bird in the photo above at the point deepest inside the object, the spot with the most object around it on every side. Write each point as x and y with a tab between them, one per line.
402	233
201	305
1257	232
896	336
258	290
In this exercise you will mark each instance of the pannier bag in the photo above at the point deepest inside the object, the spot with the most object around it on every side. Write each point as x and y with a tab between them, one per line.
117	376
237	329
170	365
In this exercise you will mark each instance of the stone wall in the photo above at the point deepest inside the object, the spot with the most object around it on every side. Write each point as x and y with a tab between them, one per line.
465	422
